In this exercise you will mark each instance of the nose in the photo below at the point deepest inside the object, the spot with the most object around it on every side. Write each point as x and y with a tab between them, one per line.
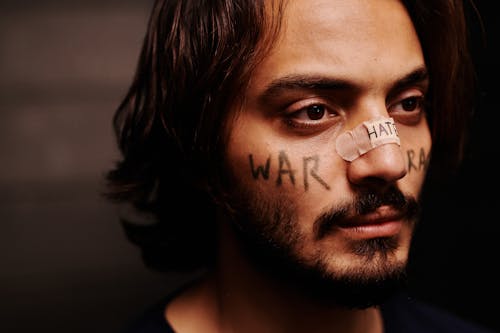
384	163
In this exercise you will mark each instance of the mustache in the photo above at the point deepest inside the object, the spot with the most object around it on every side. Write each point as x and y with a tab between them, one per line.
366	202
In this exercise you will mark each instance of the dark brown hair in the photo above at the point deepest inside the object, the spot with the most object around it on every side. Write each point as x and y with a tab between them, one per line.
195	62
442	27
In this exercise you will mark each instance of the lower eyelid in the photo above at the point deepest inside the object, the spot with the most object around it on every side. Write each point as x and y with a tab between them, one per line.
408	118
311	125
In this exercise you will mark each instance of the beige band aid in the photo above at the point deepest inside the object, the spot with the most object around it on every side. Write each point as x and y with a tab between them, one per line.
366	136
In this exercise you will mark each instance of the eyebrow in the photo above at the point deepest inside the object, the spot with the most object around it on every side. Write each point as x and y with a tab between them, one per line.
314	82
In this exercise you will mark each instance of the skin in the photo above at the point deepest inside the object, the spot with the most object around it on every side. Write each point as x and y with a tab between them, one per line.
368	54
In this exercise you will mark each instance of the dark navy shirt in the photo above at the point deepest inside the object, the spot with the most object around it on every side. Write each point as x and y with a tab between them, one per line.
401	314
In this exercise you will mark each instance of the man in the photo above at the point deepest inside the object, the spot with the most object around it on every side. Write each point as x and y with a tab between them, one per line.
282	146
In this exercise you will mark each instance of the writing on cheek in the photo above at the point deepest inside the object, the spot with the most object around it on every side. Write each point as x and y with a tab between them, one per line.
285	171
285	168
417	160
260	170
313	171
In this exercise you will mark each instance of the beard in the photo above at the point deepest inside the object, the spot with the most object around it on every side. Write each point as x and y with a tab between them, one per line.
270	239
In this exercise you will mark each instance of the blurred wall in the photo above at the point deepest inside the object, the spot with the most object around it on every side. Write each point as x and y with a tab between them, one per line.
65	262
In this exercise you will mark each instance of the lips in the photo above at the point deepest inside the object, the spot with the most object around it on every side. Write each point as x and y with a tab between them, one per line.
379	216
383	222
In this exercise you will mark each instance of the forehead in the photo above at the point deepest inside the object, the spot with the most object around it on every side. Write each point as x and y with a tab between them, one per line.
357	39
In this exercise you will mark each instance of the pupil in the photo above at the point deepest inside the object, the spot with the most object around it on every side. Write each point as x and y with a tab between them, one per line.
409	104
315	112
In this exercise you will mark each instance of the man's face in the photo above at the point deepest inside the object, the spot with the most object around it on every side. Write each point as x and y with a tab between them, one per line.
335	64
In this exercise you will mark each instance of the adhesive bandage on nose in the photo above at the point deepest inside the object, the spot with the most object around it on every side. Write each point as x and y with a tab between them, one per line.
366	136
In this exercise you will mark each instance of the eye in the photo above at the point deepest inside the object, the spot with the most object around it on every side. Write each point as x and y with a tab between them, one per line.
307	119
408	110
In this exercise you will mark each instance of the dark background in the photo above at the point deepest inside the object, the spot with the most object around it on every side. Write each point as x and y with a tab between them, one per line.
66	265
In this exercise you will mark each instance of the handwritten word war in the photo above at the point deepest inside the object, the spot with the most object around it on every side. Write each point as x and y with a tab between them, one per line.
285	170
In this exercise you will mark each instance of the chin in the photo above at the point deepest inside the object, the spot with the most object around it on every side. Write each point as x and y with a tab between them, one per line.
375	270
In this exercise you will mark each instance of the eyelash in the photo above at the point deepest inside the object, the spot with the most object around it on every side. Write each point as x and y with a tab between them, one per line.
326	116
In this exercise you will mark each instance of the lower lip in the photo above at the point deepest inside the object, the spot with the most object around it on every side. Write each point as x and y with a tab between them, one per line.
385	229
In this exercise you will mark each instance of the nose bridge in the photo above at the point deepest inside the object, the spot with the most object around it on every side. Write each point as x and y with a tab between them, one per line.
372	150
370	106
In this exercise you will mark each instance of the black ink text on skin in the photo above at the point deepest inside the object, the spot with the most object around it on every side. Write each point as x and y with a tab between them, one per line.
310	167
388	129
419	162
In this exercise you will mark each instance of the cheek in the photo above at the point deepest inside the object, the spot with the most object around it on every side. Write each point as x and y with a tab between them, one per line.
260	167
416	147
417	159
252	160
254	156
271	168
284	178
